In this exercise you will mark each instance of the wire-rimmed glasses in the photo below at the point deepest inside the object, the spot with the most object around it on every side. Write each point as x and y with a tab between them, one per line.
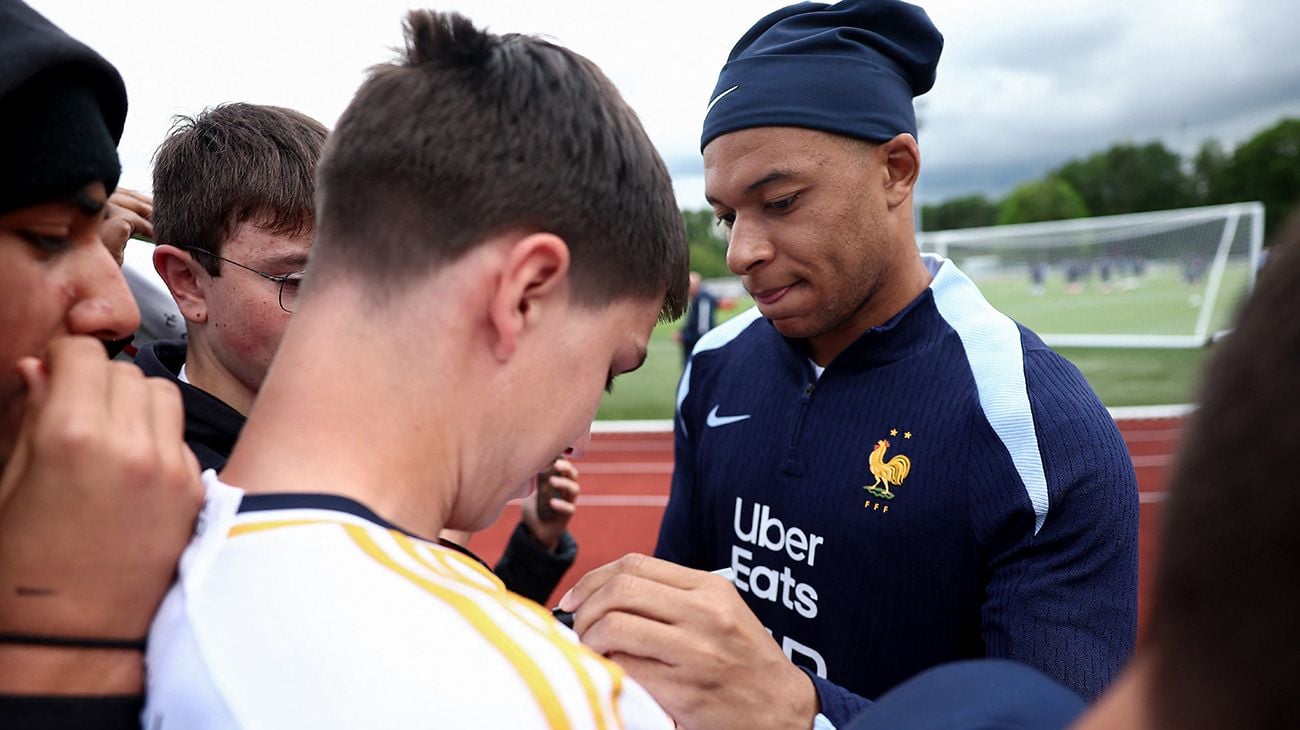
288	283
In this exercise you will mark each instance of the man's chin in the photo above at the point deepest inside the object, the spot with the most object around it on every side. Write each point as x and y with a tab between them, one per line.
795	328
480	522
476	524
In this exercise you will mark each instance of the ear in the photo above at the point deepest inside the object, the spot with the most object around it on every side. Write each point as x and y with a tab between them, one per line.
902	165
183	276
534	276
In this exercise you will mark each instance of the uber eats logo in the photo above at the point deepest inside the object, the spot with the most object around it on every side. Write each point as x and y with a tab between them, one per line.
757	526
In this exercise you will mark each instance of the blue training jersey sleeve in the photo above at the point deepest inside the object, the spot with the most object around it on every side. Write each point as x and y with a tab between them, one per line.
1064	598
839	705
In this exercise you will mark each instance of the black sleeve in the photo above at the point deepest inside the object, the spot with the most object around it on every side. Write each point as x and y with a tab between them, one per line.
531	570
28	712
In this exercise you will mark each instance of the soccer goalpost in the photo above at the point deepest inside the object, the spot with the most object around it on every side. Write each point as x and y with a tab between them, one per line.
1169	279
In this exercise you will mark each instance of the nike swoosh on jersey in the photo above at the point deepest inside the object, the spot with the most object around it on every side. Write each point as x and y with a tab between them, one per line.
718	98
714	420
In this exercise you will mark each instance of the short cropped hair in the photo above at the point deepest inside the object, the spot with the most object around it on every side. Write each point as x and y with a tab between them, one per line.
469	135
1222	634
233	164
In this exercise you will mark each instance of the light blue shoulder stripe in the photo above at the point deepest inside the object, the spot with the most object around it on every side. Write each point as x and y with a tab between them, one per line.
712	340
996	358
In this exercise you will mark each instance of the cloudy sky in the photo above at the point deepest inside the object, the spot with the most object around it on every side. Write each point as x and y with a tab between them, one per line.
1023	84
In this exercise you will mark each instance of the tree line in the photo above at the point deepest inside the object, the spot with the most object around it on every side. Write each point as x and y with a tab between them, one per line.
1126	178
1135	178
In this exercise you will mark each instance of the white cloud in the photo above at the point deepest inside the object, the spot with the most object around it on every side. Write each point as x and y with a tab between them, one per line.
1023	85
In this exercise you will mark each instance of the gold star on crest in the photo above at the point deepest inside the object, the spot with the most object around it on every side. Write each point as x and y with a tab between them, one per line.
907	434
893	432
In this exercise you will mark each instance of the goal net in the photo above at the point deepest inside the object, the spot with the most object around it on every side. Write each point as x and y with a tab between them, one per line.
1165	279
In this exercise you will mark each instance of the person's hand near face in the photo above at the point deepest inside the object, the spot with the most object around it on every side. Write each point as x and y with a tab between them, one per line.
546	514
98	493
127	215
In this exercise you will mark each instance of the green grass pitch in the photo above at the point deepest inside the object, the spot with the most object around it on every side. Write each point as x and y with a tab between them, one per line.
1161	303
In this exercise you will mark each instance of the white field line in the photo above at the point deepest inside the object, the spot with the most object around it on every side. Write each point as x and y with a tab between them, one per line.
658	426
1147	413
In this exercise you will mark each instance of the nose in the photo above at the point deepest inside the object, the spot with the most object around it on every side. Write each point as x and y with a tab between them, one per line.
578	448
103	305
747	247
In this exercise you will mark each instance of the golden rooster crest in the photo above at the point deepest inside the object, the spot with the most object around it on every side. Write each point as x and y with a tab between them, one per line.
886	473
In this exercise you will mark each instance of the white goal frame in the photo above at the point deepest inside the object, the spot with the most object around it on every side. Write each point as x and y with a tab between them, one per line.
1117	228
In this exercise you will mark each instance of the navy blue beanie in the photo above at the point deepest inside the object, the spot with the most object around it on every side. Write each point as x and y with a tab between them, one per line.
851	68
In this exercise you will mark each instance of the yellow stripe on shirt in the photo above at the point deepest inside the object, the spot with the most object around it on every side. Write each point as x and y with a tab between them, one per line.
250	527
528	670
575	655
572	653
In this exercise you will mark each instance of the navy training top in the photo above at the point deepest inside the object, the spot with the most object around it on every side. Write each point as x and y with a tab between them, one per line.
948	488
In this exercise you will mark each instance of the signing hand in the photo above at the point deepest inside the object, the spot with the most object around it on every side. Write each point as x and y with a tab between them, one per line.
688	638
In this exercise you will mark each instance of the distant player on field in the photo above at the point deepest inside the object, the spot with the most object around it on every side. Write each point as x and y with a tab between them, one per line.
699	317
495	240
898	474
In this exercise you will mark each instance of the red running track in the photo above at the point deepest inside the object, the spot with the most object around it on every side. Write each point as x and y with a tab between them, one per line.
626	476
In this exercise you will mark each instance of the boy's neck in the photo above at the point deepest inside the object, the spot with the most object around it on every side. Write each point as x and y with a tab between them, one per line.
351	421
205	371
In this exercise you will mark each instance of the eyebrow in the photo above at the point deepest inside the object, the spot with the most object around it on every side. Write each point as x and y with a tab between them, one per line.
297	258
771	177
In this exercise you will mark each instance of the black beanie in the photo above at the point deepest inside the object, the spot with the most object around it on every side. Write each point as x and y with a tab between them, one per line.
62	109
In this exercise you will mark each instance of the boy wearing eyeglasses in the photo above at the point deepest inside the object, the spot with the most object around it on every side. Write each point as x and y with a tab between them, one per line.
234	191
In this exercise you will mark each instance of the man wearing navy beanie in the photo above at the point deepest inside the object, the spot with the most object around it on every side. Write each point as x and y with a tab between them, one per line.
898	474
99	493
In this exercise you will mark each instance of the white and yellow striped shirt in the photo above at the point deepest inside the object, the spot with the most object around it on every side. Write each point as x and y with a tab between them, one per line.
308	611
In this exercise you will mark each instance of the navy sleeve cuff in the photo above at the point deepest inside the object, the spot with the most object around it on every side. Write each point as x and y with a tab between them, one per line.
531	570
838	704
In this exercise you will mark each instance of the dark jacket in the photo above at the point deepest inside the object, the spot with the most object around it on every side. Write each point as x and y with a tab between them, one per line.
211	428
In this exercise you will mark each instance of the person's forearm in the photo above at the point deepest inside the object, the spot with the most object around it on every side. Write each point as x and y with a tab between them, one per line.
529	569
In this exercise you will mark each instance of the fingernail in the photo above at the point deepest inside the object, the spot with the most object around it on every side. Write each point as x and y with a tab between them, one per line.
564	601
